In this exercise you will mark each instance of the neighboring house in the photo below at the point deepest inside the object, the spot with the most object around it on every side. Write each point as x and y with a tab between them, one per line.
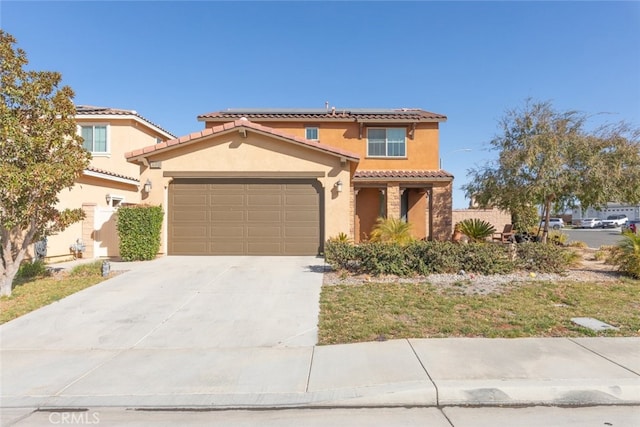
108	182
631	211
281	182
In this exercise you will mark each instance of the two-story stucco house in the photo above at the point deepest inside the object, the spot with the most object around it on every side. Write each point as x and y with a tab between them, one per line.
108	181
281	182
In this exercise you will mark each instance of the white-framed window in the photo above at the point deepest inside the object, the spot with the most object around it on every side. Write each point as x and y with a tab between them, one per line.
312	133
96	138
386	142
114	200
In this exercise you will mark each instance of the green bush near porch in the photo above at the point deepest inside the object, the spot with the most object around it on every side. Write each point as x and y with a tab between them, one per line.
139	231
424	257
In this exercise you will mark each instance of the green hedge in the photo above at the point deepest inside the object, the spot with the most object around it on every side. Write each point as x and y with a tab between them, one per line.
422	258
139	231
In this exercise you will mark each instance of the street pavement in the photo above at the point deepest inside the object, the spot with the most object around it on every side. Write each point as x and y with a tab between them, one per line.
220	333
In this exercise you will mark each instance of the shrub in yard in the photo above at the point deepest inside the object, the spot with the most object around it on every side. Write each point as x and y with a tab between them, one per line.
485	259
139	231
93	269
557	237
391	230
340	255
423	258
604	253
383	258
626	255
29	270
434	257
477	230
544	258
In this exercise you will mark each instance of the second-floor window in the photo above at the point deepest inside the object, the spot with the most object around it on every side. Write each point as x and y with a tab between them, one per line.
312	134
388	142
95	138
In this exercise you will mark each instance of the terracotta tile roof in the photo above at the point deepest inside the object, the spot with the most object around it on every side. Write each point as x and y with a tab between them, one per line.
237	124
90	110
347	114
369	175
113	174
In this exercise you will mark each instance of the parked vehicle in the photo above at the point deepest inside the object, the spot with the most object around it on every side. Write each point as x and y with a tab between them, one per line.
614	221
554	223
633	225
590	223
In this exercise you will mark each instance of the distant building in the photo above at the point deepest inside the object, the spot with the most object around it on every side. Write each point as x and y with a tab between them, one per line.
631	211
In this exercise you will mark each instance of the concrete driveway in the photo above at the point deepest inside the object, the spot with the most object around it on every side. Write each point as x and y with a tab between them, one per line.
178	302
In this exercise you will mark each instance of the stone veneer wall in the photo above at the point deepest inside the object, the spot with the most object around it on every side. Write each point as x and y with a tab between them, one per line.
87	228
495	217
393	200
442	218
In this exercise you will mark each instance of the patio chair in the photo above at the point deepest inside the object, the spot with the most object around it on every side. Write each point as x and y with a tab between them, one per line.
506	235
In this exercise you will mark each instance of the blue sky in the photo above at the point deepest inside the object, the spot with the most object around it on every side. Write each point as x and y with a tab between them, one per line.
171	61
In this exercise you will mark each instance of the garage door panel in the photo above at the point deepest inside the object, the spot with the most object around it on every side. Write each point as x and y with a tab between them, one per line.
189	247
310	216
264	200
261	248
228	216
227	248
244	216
189	232
218	200
301	200
189	215
264	216
190	187
226	232
190	200
293	248
297	232
264	231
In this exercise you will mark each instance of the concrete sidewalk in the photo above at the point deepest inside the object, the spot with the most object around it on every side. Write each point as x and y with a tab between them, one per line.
420	372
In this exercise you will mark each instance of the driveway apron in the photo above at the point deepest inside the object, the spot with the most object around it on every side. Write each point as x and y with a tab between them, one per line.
177	302
179	327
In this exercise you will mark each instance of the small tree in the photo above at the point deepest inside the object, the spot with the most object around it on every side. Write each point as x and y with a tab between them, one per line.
40	155
547	158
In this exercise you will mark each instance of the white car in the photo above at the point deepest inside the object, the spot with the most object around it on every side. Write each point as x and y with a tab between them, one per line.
590	223
554	223
614	221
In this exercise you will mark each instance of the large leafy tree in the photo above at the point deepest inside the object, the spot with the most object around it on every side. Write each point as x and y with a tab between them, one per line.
40	155
548	158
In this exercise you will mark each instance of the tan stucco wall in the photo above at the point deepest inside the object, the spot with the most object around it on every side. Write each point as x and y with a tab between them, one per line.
495	217
256	153
422	150
122	136
87	190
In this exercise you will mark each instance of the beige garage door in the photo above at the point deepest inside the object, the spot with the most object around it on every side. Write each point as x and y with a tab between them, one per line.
244	217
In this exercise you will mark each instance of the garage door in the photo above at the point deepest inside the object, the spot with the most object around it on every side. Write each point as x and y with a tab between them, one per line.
244	217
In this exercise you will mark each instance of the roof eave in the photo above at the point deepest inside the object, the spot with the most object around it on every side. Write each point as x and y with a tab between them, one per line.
134	117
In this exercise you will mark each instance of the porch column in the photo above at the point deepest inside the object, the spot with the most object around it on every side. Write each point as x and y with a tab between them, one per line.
442	214
393	200
352	212
88	229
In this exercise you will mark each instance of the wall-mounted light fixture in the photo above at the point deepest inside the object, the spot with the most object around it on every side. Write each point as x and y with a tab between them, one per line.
338	186
147	186
107	197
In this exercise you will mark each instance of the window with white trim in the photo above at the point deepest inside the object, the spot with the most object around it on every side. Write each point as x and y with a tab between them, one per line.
389	142
312	133
95	138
